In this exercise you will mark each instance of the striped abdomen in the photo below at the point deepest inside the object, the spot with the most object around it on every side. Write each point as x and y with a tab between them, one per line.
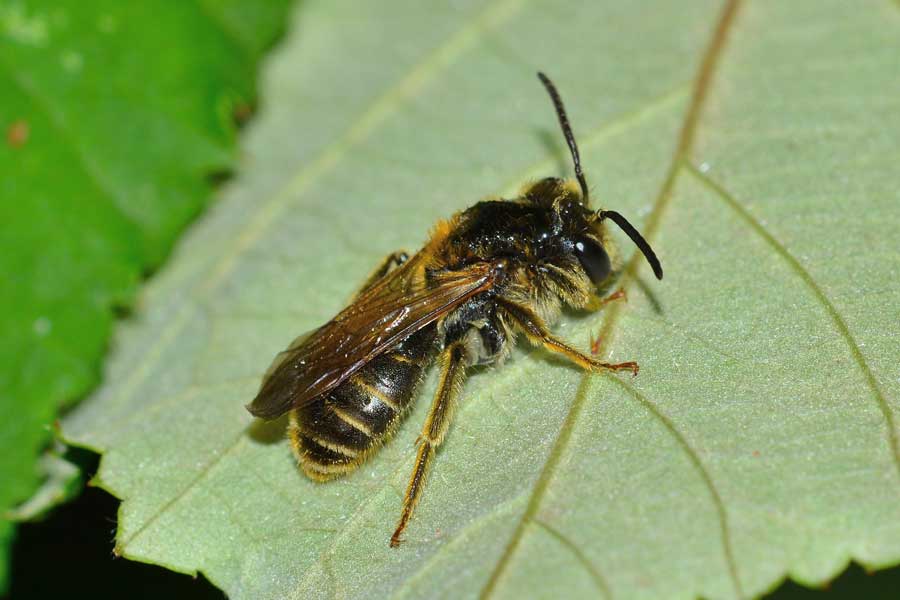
336	432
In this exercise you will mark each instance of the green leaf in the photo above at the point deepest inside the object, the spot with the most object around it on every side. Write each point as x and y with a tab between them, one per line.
754	144
62	482
113	116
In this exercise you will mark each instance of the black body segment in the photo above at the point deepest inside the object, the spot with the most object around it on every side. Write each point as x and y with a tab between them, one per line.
336	432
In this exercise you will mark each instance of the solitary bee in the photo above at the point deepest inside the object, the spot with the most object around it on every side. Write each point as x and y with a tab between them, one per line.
489	273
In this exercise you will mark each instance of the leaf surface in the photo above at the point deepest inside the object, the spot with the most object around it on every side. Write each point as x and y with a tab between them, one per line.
113	116
754	144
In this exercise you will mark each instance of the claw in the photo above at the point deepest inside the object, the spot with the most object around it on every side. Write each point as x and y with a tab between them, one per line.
616	295
627	366
595	344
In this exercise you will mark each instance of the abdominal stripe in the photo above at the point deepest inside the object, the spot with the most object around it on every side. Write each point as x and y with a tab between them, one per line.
330	445
403	359
374	392
351	421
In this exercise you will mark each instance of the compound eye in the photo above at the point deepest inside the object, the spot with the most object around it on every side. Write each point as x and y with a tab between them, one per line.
593	259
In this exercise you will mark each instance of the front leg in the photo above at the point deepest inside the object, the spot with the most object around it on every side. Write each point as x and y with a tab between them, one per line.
453	373
596	302
532	326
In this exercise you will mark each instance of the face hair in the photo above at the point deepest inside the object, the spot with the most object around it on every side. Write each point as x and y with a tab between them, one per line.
636	237
567	133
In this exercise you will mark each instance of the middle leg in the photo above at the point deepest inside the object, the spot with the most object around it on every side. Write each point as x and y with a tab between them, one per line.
597	302
533	327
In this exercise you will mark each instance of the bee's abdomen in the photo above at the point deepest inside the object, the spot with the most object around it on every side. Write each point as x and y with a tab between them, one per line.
336	432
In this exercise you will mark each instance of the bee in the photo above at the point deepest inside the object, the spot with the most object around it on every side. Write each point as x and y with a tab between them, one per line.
486	275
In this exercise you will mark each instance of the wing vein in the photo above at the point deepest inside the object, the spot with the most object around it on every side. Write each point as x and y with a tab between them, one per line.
389	312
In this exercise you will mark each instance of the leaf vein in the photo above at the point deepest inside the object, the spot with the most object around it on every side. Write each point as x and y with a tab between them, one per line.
692	455
202	473
582	559
459	538
702	82
272	208
227	28
91	170
539	489
616	126
839	322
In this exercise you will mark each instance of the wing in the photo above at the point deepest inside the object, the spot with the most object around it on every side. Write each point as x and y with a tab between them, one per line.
381	317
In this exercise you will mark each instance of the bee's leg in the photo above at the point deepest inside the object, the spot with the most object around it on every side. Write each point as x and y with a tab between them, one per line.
453	373
394	259
531	324
597	302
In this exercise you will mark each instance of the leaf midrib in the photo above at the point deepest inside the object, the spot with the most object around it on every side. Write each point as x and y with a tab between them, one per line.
611	127
367	123
686	138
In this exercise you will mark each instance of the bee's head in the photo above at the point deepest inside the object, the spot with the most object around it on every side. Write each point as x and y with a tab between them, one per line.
574	221
579	231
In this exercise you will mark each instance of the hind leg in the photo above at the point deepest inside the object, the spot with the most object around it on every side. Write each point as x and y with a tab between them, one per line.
453	373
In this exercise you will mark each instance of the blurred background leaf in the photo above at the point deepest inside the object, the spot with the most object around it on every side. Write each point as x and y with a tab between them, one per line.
115	116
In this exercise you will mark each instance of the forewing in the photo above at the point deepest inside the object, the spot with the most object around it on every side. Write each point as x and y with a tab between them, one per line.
381	317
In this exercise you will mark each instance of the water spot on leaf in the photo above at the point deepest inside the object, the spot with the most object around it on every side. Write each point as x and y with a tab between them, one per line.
71	61
17	133
42	326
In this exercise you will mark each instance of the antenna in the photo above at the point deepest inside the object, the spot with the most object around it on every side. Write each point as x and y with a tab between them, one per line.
636	237
618	219
570	138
